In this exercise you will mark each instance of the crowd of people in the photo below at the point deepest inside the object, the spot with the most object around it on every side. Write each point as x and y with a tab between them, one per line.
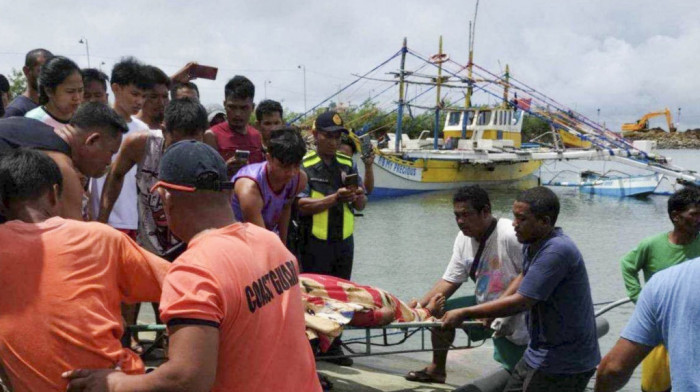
154	198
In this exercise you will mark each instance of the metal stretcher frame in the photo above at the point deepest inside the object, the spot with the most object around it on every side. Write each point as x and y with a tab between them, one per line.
407	330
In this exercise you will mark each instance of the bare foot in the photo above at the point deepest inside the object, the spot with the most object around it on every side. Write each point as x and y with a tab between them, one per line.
436	305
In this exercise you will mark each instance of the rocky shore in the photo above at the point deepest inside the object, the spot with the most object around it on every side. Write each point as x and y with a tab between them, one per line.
690	139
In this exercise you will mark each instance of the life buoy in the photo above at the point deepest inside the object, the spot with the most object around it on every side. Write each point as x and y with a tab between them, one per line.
439	58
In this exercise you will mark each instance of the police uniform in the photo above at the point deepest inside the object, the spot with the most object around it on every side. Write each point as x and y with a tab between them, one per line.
329	248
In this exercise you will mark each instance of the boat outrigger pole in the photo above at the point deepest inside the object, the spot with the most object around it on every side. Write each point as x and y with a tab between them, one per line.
399	118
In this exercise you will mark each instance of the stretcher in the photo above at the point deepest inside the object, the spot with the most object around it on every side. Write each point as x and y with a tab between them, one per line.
390	335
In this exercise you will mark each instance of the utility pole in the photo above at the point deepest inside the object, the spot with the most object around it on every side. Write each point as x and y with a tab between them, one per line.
303	68
84	40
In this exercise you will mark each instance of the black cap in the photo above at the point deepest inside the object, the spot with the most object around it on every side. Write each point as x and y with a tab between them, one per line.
191	166
330	121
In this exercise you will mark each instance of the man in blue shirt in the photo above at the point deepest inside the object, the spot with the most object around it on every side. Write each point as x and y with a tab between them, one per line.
668	312
554	288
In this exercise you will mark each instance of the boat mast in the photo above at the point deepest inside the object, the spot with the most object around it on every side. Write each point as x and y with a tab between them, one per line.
505	88
470	81
437	97
399	119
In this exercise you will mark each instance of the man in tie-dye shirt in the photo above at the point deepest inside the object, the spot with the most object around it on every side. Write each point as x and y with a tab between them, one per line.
487	252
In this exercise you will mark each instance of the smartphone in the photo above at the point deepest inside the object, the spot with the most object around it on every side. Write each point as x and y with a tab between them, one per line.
242	155
204	72
365	146
351	180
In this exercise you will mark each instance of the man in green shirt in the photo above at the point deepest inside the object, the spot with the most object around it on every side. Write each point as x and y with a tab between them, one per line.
659	252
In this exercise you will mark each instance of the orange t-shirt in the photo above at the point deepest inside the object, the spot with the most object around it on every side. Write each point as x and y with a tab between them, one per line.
61	284
242	280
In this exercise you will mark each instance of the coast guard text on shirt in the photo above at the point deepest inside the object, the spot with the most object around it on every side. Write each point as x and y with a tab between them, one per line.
282	278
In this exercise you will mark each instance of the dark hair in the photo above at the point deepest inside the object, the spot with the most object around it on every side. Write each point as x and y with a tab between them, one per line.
26	175
157	76
475	195
131	71
287	145
95	75
4	84
345	139
542	201
54	72
185	115
268	106
683	199
32	57
96	116
177	86
239	87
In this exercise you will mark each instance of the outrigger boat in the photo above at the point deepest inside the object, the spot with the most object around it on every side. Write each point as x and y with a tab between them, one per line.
620	185
482	144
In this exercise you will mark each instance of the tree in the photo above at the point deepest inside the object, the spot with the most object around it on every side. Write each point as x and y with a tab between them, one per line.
18	83
533	127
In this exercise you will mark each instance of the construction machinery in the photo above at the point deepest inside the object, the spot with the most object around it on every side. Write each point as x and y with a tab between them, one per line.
643	123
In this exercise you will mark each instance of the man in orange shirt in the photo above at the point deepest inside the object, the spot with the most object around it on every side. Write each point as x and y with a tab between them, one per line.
232	301
61	281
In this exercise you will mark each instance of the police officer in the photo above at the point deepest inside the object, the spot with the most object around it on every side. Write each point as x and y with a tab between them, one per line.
327	204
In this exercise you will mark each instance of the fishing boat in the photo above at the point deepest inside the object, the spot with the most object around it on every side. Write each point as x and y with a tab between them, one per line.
480	143
616	185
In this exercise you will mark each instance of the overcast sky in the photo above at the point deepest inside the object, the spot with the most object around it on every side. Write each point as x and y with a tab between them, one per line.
624	57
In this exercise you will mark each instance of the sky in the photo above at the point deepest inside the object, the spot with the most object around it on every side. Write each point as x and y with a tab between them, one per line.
623	57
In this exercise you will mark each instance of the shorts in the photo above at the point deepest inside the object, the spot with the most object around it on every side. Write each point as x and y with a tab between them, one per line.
505	352
527	379
656	374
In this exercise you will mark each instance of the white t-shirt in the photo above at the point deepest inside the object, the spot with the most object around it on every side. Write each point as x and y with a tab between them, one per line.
39	113
125	213
501	262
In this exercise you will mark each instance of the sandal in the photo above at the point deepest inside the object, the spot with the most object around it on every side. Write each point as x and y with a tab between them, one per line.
424	376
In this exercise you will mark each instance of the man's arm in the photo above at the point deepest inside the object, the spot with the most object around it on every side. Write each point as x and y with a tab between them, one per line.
191	367
72	195
440	287
369	173
617	366
250	200
502	307
513	286
631	264
131	152
283	223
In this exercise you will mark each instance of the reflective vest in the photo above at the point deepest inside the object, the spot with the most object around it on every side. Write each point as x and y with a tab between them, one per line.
338	222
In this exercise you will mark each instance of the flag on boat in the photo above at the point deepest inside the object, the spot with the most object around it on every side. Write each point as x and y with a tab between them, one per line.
523	103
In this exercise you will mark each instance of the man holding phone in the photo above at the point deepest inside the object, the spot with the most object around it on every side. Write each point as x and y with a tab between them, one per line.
235	136
326	207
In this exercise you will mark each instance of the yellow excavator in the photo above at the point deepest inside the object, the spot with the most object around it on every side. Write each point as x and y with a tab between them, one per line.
643	123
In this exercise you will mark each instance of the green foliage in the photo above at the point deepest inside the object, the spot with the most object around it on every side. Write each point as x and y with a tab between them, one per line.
375	119
533	127
18	83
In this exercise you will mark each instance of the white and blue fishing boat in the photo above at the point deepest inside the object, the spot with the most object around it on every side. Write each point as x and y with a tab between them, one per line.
614	185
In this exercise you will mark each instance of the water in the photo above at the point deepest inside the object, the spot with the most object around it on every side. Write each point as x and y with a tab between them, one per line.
403	245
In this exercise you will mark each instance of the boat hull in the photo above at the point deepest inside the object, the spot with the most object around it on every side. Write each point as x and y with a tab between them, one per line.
397	177
623	186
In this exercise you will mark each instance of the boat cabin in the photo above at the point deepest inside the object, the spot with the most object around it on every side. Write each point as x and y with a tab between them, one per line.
485	123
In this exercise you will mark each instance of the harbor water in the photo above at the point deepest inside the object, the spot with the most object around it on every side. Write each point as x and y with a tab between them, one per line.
403	245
